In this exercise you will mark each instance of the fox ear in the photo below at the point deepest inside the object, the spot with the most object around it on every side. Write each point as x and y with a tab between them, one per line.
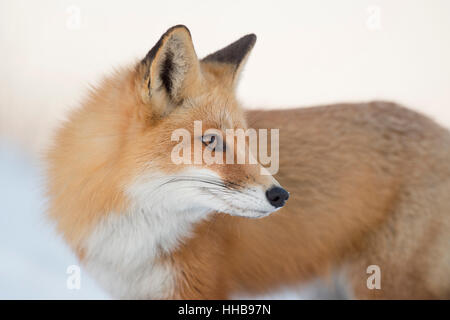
230	60
168	70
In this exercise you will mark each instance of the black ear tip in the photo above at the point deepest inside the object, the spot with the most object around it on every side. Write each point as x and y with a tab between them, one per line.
247	41
235	52
251	38
178	26
152	53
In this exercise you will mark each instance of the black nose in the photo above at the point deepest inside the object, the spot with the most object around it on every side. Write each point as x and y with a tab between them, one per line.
277	196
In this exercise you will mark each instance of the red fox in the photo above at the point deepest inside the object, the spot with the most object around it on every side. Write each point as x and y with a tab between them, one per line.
358	185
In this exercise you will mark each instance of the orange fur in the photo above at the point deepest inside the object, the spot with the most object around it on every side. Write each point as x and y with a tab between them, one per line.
369	184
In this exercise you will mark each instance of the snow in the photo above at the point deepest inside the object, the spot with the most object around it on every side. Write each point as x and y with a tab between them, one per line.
33	258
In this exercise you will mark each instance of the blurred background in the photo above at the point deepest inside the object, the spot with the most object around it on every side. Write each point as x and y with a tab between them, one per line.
307	53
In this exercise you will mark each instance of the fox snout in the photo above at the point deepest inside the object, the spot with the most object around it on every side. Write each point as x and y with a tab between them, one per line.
277	196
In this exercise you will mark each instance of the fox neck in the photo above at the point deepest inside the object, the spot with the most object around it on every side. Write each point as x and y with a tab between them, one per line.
128	252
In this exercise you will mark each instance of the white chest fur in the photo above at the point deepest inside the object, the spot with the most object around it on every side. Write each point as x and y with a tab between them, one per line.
123	252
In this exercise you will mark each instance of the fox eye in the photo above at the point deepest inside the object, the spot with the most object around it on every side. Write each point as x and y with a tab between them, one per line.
209	139
213	142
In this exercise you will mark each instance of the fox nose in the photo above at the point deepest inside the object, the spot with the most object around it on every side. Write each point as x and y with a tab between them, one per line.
277	196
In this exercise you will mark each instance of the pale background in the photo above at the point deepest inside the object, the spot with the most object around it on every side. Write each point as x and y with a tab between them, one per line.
307	52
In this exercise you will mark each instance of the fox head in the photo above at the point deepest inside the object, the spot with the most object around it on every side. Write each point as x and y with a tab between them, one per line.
117	151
